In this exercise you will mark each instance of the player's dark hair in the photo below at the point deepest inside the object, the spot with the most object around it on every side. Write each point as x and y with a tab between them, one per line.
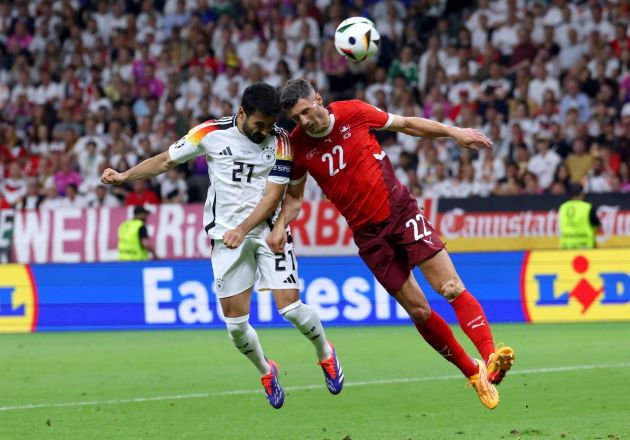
261	97
295	90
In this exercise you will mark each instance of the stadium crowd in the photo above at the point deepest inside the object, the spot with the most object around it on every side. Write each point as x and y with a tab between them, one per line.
86	85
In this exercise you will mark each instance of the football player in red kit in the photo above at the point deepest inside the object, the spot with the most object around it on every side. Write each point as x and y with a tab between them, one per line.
335	145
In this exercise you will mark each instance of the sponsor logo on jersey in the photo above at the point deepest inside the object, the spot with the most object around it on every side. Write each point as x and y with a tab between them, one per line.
18	299
268	156
311	154
591	285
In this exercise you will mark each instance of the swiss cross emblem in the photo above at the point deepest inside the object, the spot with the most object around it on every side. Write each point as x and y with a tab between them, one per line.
345	131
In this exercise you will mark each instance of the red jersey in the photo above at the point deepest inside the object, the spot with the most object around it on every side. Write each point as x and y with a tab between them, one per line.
348	163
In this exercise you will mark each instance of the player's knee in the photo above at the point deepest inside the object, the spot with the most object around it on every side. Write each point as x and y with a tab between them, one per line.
451	289
290	309
420	314
287	299
237	327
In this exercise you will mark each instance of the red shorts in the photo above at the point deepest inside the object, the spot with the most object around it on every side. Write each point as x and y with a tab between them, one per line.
394	247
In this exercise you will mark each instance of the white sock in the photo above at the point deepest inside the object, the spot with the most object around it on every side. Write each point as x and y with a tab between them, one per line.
245	339
306	320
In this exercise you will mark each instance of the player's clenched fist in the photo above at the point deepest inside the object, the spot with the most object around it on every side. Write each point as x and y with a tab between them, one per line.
110	176
233	238
276	240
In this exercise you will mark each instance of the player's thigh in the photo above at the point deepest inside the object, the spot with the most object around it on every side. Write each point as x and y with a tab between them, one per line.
234	269
237	305
389	267
415	234
276	271
285	297
440	273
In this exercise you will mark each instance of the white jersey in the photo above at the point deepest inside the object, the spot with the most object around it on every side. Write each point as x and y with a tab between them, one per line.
238	169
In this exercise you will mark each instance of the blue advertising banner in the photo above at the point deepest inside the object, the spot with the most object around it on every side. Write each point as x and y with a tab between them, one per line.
179	294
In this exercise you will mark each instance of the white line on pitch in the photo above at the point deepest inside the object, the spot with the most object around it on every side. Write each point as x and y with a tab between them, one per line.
302	387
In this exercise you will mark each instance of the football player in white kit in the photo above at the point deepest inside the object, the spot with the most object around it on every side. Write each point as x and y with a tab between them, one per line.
249	164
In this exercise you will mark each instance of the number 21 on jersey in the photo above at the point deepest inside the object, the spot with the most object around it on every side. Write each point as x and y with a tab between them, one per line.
335	160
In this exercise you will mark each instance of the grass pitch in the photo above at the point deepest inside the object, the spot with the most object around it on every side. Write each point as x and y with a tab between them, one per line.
569	382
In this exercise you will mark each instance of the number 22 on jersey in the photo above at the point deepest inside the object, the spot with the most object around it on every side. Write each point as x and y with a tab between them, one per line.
414	222
332	158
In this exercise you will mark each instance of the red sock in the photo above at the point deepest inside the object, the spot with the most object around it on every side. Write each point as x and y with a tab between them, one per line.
440	336
473	321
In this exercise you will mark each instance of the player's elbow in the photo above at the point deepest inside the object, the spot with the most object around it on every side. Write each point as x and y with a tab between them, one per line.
165	162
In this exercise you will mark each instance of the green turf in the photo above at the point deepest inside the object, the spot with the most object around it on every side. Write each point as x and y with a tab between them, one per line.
52	369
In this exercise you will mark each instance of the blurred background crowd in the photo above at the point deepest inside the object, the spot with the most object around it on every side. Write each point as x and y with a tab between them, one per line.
86	85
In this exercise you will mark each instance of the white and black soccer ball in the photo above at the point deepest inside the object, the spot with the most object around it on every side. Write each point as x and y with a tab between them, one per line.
357	39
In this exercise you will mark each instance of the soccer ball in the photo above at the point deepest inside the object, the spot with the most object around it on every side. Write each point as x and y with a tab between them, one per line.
356	39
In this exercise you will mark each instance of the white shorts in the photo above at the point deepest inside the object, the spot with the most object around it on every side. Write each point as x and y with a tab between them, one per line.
235	270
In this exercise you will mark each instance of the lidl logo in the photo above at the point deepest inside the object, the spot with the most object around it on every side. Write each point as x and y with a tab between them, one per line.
18	299
561	286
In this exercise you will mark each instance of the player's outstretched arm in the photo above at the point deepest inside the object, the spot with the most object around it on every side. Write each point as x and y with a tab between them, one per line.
265	208
291	206
421	127
144	170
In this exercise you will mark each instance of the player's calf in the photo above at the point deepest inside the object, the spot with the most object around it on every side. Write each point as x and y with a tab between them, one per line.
245	339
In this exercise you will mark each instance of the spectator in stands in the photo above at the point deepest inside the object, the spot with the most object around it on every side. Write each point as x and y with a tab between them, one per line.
101	198
530	185
72	198
505	37
405	66
173	188
141	195
33	197
524	51
579	161
598	178
13	188
51	200
542	82
510	185
562	179
544	163
571	52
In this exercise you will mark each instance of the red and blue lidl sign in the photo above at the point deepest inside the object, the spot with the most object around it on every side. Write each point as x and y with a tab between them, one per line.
575	286
18	299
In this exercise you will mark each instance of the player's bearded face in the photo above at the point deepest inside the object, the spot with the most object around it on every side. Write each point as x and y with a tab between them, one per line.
257	126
